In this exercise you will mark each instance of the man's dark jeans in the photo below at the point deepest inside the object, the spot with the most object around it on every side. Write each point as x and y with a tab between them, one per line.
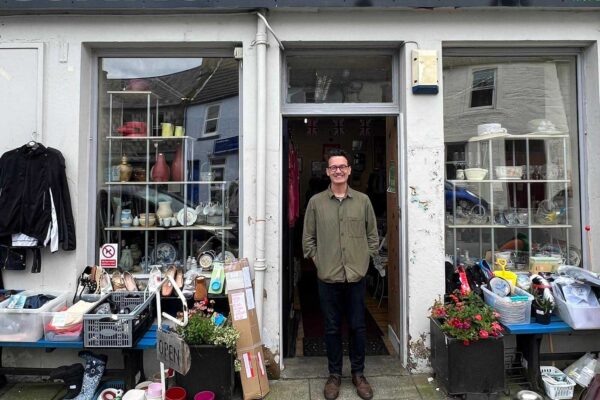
338	299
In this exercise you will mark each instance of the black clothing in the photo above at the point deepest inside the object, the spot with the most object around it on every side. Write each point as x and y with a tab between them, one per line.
27	175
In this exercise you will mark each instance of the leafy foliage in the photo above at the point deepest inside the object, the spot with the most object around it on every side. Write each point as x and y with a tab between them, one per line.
467	318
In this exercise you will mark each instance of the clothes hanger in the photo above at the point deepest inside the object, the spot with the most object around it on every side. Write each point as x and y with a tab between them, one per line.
33	144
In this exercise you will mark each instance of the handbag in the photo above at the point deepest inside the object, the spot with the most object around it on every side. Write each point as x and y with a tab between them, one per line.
13	258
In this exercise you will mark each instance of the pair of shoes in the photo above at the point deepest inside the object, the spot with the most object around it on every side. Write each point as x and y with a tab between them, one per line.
177	275
123	281
201	291
363	388
332	387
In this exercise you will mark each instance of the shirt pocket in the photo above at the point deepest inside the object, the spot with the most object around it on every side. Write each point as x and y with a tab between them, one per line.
356	228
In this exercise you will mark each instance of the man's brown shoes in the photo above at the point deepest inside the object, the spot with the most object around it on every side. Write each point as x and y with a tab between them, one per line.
363	388
332	387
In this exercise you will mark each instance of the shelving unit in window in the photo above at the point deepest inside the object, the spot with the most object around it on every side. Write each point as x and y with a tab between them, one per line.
176	211
523	200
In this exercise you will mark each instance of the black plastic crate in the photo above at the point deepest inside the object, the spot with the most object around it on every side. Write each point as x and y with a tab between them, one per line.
119	330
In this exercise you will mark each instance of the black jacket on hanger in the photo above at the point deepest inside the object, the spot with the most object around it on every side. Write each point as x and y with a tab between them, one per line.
27	175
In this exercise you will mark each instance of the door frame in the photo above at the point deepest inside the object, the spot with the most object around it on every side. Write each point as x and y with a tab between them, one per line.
400	343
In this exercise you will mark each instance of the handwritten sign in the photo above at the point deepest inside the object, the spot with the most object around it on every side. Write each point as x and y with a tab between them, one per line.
172	351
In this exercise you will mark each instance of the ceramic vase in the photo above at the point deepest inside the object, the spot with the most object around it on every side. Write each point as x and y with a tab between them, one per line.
160	171
126	259
126	218
125	170
177	165
164	210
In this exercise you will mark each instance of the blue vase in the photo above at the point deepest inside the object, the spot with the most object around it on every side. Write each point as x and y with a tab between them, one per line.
126	218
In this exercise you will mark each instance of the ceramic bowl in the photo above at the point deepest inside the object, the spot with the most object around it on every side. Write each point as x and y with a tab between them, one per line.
475	174
151	219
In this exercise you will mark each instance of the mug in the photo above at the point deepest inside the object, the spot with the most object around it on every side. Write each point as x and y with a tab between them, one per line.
460	174
167	129
179	131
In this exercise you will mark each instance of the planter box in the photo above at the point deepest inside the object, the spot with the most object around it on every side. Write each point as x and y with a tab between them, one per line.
476	368
212	369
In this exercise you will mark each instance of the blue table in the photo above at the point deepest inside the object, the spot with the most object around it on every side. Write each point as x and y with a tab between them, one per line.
133	357
529	340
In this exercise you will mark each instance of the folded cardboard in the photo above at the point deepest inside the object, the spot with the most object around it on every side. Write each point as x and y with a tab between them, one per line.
243	317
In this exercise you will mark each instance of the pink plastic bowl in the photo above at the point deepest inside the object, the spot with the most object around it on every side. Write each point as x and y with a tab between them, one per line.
176	393
206	395
154	390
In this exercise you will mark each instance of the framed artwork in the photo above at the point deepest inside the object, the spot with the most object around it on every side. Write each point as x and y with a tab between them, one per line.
327	147
316	168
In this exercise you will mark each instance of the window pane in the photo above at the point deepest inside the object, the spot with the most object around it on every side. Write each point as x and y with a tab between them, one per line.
339	79
512	170
154	163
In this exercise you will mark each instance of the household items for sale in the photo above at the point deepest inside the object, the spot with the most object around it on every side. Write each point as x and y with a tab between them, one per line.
72	376
32	302
126	218
528	395
149	218
582	311
583	370
556	383
491	130
125	170
160	171
175	393
549	213
509	276
500	286
177	274
513	309
167	129
166	253
36	173
186	216
135	394
475	174
154	391
133	128
217	278
542	127
509	172
544	263
579	274
13	258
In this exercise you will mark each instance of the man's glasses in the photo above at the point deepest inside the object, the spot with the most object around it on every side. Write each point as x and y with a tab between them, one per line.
334	168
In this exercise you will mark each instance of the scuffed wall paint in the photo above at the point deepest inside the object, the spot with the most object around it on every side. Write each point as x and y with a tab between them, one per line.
418	353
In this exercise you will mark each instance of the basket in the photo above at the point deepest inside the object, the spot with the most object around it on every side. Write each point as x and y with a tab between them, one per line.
559	390
99	330
511	312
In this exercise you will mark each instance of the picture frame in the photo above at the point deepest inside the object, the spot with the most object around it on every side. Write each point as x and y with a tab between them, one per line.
328	147
316	168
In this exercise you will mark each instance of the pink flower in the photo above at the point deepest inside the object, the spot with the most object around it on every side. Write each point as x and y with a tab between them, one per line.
478	317
496	315
466	342
483	334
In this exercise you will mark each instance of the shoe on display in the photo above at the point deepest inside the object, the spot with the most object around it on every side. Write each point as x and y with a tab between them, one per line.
72	376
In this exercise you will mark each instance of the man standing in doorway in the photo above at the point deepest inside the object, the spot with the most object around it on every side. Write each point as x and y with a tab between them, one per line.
340	236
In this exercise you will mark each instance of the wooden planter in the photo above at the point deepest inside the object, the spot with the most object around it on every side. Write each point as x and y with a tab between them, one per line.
473	369
212	369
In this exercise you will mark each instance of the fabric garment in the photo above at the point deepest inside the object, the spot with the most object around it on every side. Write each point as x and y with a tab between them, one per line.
293	186
341	235
95	364
27	175
337	299
37	301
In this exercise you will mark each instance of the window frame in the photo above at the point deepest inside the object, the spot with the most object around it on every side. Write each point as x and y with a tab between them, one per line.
216	133
494	88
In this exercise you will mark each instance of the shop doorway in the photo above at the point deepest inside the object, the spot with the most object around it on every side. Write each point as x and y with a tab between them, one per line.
373	144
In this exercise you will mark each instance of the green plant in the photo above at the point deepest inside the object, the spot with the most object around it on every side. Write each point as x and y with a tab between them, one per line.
467	318
544	304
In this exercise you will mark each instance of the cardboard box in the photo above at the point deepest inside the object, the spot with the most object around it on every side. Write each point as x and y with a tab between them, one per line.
243	317
253	374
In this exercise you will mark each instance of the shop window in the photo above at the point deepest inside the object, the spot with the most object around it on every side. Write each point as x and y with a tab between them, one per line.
342	78
211	120
160	196
512	160
483	88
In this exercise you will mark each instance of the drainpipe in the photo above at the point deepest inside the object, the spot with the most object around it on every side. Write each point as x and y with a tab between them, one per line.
260	264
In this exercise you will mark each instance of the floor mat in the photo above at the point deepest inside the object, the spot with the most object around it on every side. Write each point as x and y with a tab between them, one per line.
313	342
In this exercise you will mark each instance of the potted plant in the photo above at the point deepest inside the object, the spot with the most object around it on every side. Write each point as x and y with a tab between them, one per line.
467	347
543	308
212	341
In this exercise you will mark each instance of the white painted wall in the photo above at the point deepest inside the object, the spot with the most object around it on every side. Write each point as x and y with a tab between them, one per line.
69	98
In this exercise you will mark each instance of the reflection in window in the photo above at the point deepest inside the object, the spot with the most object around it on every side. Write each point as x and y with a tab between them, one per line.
211	121
168	112
512	159
482	90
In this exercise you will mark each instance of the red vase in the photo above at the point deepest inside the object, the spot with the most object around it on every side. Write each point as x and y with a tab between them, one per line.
160	170
177	165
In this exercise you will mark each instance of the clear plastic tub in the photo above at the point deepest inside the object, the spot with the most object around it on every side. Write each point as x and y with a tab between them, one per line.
27	325
511	312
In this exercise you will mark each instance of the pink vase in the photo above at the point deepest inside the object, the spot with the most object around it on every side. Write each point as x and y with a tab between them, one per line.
160	171
177	165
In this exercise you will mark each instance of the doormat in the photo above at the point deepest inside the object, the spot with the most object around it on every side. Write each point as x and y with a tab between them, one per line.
315	346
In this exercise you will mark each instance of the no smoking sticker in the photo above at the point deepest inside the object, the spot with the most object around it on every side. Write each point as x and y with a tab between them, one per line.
108	255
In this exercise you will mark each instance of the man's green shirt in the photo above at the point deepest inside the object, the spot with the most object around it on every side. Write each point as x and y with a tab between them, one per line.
341	235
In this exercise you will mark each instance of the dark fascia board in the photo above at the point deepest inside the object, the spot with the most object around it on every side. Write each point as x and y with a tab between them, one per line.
170	6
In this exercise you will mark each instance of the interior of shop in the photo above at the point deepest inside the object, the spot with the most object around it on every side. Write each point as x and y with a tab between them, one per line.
307	141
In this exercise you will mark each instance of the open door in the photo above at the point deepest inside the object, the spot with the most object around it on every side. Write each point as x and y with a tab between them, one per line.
393	225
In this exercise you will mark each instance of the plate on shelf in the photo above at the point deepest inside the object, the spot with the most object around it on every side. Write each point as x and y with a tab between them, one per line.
191	217
166	253
226	256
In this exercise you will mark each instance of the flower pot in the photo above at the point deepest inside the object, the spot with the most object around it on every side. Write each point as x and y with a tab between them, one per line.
542	317
212	370
476	368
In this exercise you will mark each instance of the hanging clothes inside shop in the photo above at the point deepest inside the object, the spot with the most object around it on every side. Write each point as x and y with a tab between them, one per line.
35	202
293	185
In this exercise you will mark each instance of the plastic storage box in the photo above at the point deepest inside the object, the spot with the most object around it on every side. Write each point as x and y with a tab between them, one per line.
511	312
26	325
557	390
101	330
543	264
576	316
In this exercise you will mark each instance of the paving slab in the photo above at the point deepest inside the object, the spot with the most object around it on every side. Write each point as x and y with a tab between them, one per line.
384	388
428	389
291	389
34	391
316	367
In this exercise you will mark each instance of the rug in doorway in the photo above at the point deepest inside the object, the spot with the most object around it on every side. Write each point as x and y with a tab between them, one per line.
315	346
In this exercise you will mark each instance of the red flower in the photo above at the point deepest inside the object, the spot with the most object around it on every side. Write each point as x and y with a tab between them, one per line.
478	317
466	342
483	334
